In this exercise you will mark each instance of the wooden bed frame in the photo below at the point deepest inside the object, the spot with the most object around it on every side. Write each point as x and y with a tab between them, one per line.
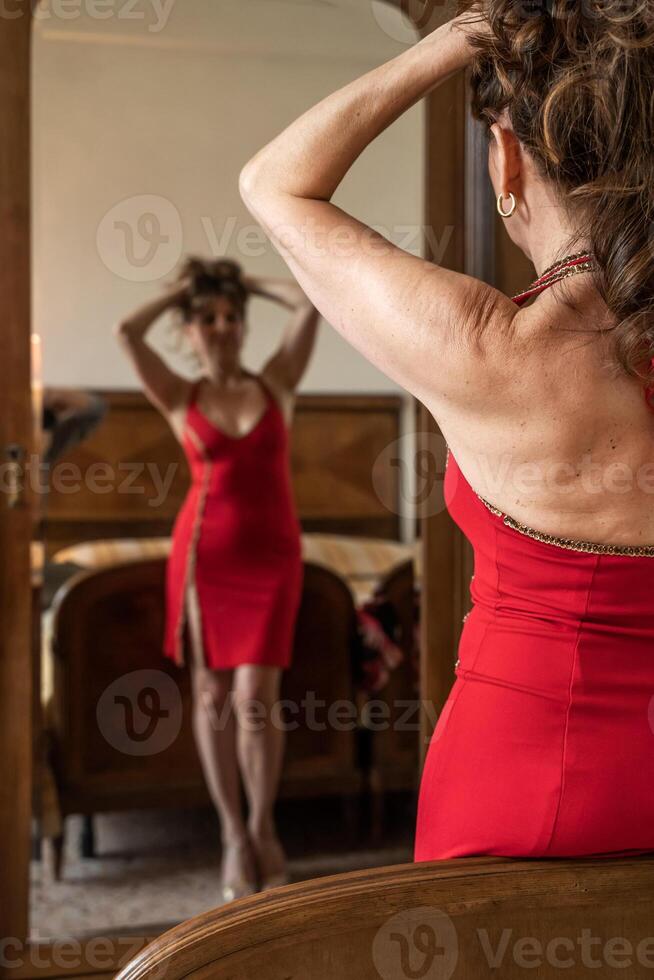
464	919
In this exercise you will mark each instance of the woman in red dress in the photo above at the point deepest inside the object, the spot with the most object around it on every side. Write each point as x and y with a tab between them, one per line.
546	744
235	568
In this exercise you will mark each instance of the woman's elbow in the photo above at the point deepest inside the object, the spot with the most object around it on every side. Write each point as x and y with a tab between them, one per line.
260	194
249	183
122	330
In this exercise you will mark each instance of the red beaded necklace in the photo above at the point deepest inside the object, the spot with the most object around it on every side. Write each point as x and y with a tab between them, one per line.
571	265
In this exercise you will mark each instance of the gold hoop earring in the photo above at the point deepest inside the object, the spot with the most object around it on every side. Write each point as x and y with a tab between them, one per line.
500	198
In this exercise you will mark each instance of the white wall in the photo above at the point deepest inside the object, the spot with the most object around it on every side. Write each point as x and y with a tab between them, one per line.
122	112
153	115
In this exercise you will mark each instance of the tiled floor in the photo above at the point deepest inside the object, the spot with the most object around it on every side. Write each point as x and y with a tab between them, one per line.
157	868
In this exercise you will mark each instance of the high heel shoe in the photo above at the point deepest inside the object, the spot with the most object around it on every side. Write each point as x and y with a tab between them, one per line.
277	878
275	881
241	886
240	889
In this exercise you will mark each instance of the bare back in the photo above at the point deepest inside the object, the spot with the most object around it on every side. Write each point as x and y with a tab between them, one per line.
564	445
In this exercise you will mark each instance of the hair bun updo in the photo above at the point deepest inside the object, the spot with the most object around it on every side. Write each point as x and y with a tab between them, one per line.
576	78
209	278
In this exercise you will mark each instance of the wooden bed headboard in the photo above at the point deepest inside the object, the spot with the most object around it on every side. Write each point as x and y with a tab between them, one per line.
129	477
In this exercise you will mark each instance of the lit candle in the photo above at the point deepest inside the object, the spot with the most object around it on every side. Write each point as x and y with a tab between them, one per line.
37	390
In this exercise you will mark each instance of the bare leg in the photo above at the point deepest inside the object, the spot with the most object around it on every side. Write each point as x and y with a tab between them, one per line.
260	749
214	727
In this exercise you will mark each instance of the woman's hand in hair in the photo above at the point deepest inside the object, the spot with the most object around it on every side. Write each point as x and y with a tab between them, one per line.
137	323
228	269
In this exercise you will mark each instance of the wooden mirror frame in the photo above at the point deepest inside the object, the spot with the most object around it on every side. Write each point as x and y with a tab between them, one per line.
453	159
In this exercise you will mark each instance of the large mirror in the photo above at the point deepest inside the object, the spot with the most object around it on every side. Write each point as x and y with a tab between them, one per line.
143	115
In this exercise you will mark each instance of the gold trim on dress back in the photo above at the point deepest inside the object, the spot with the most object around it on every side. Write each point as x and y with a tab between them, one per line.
569	544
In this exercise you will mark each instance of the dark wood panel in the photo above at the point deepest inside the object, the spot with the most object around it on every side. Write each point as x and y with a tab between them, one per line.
15	522
441	539
115	476
129	477
335	445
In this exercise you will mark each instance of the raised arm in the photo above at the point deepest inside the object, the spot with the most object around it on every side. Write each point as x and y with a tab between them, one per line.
166	389
408	316
287	365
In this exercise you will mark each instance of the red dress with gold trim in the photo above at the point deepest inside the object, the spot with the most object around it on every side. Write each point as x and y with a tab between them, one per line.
545	747
238	537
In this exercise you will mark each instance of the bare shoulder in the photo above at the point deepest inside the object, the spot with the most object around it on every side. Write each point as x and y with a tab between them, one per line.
479	353
540	381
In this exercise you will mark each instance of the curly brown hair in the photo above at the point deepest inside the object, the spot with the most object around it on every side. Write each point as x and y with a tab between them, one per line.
210	278
577	80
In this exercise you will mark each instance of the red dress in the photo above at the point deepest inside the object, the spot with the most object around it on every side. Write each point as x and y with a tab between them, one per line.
545	746
238	536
